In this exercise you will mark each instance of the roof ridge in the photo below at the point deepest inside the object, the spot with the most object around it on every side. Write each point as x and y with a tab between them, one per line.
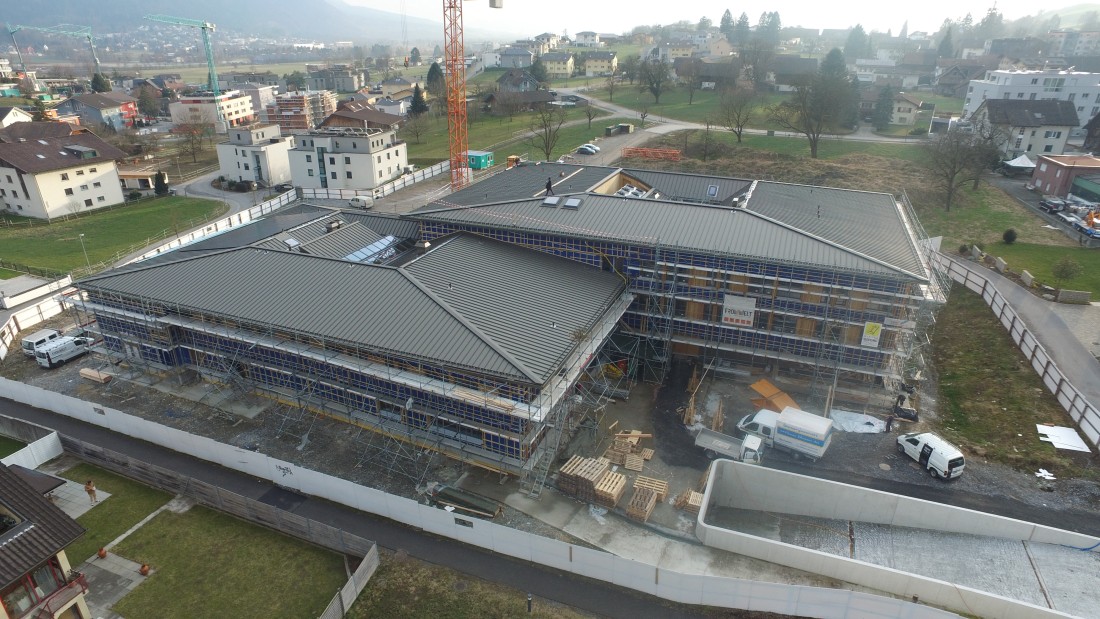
485	339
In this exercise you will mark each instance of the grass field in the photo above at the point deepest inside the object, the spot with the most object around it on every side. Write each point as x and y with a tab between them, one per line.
1039	261
8	446
208	564
130	502
57	245
990	397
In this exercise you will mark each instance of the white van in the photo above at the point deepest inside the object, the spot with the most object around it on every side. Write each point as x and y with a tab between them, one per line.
61	350
942	459
363	202
38	338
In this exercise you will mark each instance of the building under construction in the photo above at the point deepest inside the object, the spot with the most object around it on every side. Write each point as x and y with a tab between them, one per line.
485	325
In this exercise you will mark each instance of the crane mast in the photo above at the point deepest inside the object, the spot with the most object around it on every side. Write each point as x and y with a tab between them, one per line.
71	30
207	28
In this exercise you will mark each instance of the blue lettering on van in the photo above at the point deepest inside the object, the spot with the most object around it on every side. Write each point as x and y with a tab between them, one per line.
798	436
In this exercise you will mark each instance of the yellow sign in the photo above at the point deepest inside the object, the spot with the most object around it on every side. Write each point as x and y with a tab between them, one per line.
872	332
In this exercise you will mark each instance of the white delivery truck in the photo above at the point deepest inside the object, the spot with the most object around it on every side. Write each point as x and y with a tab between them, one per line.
33	341
715	444
793	430
61	350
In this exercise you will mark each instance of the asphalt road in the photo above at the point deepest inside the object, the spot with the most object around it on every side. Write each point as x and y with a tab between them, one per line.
545	584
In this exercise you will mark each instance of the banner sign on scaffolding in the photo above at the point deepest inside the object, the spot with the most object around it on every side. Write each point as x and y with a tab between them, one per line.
738	311
872	332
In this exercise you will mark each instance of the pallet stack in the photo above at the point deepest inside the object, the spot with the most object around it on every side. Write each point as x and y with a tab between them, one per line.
610	489
641	504
579	477
689	501
658	486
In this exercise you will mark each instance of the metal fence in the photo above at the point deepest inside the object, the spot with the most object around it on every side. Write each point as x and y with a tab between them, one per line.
308	193
249	509
1080	410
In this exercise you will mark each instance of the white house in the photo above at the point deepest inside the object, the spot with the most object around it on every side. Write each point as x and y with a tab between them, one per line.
588	39
229	109
11	115
1031	127
1079	88
347	158
55	176
258	153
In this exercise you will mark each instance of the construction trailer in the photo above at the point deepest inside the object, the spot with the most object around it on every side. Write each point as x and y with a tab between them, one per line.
834	286
473	350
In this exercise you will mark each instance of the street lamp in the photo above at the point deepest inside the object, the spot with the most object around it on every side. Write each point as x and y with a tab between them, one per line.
85	250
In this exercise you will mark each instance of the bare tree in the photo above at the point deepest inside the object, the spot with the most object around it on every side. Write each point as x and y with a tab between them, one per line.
735	109
590	112
611	87
507	104
955	158
415	126
642	113
546	125
656	78
688	72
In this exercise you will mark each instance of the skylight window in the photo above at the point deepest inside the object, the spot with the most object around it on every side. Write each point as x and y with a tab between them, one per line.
377	251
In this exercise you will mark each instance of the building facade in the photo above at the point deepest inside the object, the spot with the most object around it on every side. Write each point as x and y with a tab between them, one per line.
588	39
52	177
259	153
1054	175
301	111
599	64
346	158
229	109
262	95
1080	89
559	65
97	110
1026	127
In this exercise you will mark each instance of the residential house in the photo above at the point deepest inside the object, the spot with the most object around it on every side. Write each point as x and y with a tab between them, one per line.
787	70
718	72
395	85
1073	43
1079	88
301	111
558	64
98	110
37	130
536	47
953	75
1032	127
516	57
337	78
718	46
262	95
229	109
10	115
36	578
235	79
49	177
1059	175
393	107
257	153
361	115
588	39
517	80
905	109
345	158
490	59
598	64
669	51
506	102
551	40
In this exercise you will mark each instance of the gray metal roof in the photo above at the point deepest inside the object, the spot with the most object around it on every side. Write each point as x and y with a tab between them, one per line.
703	228
869	223
349	237
528	181
386	308
530	303
691	187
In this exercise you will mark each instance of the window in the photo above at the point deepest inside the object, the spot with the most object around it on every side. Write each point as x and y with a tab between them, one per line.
1032	97
347	160
380	174
68	191
309	158
379	158
1008	95
97	184
9	178
84	188
332	160
64	177
309	172
80	172
1080	108
1084	95
91	170
387	155
88	202
349	174
1052	134
1019	95
1048	148
333	175
246	166
1035	80
100	199
1072	96
1019	142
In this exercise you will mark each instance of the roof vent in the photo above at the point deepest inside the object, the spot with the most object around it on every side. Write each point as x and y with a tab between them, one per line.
551	201
334	225
571	203
292	244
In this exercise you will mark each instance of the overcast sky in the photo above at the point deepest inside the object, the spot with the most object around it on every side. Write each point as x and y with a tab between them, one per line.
535	16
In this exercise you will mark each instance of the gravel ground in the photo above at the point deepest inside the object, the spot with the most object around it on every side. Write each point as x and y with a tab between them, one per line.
338	449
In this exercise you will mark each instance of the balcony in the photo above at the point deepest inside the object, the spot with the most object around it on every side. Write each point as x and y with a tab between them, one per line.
49	607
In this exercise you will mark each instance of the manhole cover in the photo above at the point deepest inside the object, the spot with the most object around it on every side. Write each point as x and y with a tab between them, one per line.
884	466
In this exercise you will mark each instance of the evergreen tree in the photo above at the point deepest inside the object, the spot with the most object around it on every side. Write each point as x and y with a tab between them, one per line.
883	108
414	56
100	83
946	50
419	105
147	101
742	30
537	70
857	44
726	25
160	183
435	83
39	111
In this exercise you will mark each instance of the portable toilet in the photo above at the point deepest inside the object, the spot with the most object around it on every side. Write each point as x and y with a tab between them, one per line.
479	159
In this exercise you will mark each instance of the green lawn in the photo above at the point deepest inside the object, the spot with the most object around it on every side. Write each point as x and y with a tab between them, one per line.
57	245
991	398
1039	261
944	105
208	564
8	446
6	274
130	502
828	148
674	104
15	101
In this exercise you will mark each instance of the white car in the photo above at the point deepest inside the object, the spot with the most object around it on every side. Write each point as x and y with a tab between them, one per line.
592	146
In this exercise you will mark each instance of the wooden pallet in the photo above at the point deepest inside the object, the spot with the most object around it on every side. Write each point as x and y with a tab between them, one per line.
622	445
656	485
615	457
641	504
634	462
647	454
610	489
689	501
579	476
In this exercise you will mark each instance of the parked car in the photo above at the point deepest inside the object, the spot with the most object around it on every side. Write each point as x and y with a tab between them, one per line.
1070	220
1052	205
1084	228
585	150
942	459
592	146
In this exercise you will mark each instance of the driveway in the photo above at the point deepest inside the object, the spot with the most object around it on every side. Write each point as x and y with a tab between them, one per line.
200	188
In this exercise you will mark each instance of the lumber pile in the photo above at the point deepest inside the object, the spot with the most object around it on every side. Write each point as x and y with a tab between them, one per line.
641	504
689	501
580	475
610	489
623	445
771	397
96	375
658	486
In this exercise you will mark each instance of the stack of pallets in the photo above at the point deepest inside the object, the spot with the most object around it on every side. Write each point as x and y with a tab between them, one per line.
690	501
658	486
610	489
641	504
579	476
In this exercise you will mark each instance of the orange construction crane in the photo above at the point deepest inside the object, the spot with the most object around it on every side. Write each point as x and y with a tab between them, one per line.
454	65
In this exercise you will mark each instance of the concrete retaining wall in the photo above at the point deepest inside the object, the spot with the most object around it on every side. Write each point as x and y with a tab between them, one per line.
1027	278
666	584
741	485
1080	297
34	293
37	452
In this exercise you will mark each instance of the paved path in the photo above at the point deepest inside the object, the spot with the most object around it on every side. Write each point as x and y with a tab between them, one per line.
588	595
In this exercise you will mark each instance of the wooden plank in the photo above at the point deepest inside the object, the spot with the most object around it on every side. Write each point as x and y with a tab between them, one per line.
657	485
633	435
